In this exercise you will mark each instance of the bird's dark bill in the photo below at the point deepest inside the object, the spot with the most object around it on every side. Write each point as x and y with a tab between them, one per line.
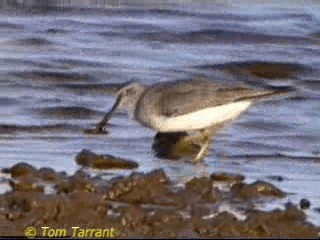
100	126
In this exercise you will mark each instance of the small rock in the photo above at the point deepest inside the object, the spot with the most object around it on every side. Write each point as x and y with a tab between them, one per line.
48	174
20	169
256	190
200	185
79	182
146	188
27	184
304	203
227	177
199	210
134	215
87	158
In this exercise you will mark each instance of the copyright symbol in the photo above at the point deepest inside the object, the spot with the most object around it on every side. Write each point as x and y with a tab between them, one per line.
30	232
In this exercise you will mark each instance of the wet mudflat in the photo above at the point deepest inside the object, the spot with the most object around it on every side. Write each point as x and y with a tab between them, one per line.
60	67
146	205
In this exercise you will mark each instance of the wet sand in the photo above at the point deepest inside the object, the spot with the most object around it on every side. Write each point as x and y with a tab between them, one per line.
146	205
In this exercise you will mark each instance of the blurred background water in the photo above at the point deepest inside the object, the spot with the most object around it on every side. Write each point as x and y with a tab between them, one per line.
61	60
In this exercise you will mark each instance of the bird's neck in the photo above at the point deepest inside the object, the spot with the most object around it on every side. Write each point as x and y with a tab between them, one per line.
133	105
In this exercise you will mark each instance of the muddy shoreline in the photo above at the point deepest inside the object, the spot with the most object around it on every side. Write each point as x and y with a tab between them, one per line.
146	205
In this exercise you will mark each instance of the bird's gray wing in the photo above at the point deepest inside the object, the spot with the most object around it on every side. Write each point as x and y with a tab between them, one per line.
183	97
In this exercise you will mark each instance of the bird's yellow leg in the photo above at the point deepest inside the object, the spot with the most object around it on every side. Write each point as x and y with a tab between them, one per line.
203	140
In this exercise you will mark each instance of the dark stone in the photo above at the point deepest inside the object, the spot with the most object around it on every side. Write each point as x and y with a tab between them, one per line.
140	188
201	185
20	169
304	203
227	177
48	174
256	190
26	183
87	158
80	181
134	216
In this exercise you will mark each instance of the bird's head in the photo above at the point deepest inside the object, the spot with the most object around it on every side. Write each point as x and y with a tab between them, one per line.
128	97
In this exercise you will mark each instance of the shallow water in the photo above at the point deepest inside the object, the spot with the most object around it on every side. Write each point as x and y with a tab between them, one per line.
59	67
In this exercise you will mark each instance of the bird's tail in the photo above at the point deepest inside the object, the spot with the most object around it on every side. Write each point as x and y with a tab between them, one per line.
265	94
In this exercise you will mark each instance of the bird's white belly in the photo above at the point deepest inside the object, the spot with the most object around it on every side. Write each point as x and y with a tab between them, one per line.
200	119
